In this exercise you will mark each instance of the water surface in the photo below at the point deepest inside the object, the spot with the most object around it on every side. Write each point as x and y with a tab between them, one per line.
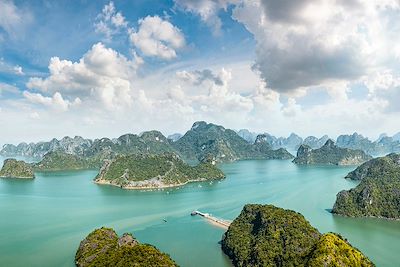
42	221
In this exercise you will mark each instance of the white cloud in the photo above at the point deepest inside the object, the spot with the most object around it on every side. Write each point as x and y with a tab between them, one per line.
310	43
7	88
12	19
110	22
10	69
18	70
102	75
197	77
56	102
207	10
157	38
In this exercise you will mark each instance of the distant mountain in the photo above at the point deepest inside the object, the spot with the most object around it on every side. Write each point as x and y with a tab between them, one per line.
396	137
247	135
174	137
76	146
265	235
315	142
205	139
329	153
378	193
290	143
384	145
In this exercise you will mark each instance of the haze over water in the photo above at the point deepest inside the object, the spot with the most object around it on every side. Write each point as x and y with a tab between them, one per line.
42	221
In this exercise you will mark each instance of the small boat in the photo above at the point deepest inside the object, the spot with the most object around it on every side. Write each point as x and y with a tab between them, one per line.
164	220
193	213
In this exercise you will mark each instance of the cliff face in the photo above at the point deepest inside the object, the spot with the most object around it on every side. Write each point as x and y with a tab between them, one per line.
264	235
377	195
331	154
13	168
103	247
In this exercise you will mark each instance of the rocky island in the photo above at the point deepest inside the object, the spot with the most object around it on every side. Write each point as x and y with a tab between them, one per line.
377	195
265	235
103	247
330	154
155	171
59	161
13	168
225	145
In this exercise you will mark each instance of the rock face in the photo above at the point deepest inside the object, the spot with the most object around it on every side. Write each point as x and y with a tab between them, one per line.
384	145
264	235
13	168
250	137
330	154
377	195
315	142
103	247
139	172
174	137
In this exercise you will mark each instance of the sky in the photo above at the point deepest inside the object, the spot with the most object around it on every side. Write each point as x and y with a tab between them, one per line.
106	68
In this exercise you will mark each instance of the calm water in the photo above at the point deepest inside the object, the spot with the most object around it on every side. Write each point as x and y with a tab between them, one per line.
42	221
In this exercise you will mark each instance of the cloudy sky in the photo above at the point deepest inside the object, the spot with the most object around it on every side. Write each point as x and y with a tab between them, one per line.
100	68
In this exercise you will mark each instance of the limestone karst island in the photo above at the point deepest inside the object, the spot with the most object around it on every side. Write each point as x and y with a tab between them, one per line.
221	133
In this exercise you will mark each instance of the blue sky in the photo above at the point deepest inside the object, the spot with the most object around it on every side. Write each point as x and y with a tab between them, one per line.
104	68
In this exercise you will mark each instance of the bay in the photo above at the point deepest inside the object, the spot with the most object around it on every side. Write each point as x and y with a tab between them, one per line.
43	220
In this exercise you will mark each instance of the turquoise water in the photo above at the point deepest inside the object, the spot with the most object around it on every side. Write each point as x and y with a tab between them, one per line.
42	221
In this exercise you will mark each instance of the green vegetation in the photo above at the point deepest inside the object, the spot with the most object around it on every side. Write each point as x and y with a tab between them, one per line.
205	139
148	171
265	235
330	154
103	247
332	250
56	161
13	168
377	195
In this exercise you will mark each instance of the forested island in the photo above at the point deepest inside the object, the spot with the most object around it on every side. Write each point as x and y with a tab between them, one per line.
265	235
103	248
377	195
13	168
330	154
155	171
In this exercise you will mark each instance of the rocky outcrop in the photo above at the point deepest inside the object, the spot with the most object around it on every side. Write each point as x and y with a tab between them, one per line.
264	235
384	145
377	195
13	168
223	144
103	247
330	154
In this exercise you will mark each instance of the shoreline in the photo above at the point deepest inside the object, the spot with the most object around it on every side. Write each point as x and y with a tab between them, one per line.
149	187
21	177
367	217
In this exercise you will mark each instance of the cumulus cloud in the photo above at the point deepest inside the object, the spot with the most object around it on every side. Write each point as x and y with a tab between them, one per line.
309	43
10	69
157	38
56	102
207	10
102	75
110	22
